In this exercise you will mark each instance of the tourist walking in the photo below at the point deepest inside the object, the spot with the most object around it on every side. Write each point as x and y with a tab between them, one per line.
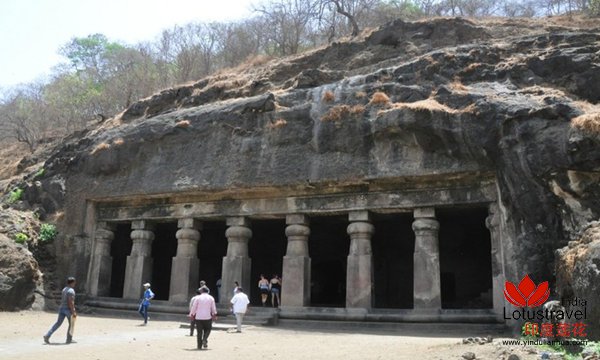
65	310
275	286
203	311
145	302
239	306
192	320
263	286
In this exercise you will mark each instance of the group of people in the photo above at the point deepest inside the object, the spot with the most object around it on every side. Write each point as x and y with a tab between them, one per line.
272	287
203	309
203	312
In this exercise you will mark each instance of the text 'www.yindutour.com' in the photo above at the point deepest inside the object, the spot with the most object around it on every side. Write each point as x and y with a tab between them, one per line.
526	342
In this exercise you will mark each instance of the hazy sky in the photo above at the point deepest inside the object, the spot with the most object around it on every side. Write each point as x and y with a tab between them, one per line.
31	31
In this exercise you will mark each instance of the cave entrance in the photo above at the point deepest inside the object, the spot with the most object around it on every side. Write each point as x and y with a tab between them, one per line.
164	248
211	250
465	258
393	247
120	248
328	245
266	249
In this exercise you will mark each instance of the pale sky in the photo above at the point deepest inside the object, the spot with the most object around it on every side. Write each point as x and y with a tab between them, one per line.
31	31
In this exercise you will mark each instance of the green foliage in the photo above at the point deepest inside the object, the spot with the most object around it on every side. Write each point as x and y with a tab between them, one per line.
15	195
21	238
39	173
594	7
47	233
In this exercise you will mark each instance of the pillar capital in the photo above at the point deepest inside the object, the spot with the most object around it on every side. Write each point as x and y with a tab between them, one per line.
238	221
297	231
238	233
425	212
189	223
142	225
362	215
301	219
360	228
425	225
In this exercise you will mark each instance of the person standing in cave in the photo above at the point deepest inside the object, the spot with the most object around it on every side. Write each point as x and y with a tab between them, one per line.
263	287
275	286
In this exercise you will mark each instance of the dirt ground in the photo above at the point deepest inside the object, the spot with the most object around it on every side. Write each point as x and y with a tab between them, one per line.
109	338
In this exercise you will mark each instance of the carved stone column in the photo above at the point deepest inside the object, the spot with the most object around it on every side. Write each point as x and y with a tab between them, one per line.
359	273
236	264
101	264
427	288
184	269
493	223
139	262
296	262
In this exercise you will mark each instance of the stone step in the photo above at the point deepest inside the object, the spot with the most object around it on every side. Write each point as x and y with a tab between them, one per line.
404	328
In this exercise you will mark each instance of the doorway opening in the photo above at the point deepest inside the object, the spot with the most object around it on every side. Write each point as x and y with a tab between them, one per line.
119	250
393	248
328	246
465	258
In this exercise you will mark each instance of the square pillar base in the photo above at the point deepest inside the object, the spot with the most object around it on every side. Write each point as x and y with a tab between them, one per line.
296	287
184	278
100	275
235	268
137	272
359	280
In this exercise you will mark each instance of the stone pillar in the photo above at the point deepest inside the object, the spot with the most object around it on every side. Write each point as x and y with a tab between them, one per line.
493	222
236	264
427	288
139	262
359	273
296	262
101	264
184	269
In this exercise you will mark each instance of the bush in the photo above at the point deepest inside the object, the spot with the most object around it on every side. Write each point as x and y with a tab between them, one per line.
21	238
15	195
39	173
47	233
379	98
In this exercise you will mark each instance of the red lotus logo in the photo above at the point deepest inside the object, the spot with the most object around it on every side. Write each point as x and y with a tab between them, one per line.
526	294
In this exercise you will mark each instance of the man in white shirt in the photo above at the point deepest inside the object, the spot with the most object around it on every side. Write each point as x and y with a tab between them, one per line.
204	311
239	305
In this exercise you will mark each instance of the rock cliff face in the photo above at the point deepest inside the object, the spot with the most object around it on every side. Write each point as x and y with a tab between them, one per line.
411	102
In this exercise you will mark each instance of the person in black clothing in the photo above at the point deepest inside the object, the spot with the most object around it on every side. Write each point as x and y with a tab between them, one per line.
275	287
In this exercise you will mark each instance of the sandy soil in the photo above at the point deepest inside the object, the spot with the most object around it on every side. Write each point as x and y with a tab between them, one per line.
106	338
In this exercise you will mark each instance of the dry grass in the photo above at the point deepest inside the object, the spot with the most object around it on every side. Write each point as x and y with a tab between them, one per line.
336	113
339	112
458	86
100	147
357	109
183	124
379	98
328	96
277	124
360	94
589	123
430	105
119	142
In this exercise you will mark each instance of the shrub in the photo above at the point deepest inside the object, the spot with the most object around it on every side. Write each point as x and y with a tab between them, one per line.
279	123
100	147
47	233
360	94
357	109
183	124
39	173
379	98
15	195
21	238
119	142
336	113
328	96
589	123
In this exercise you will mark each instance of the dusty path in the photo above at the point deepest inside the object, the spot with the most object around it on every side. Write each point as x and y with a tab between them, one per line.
106	338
